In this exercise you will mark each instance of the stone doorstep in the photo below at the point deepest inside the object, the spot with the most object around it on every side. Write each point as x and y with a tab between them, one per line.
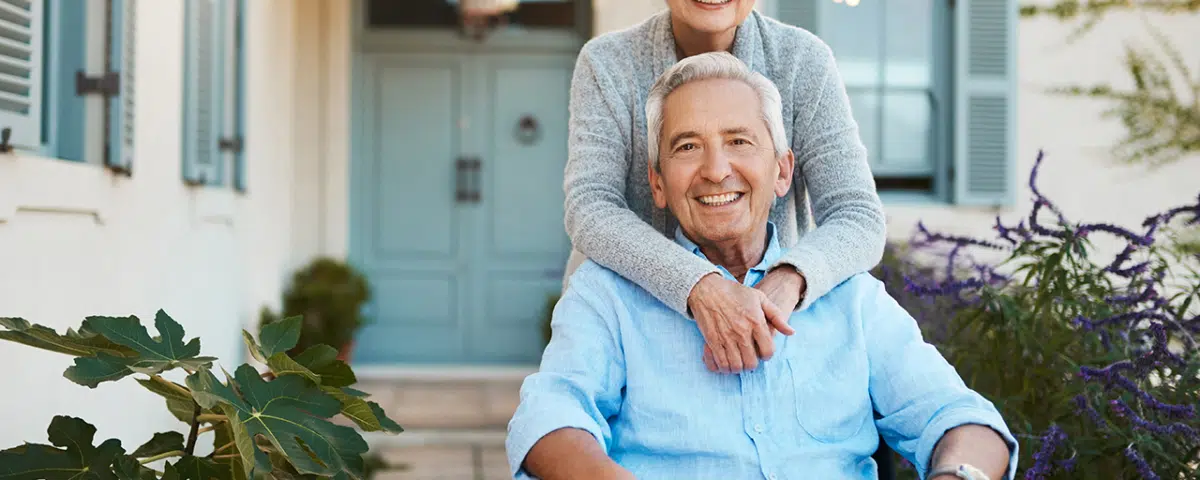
442	455
446	404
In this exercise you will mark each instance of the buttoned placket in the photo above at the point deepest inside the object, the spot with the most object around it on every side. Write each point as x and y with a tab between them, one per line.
755	402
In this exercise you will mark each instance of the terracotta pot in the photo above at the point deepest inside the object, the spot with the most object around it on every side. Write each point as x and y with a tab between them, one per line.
346	352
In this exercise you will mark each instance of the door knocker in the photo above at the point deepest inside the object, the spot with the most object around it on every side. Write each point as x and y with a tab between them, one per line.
528	131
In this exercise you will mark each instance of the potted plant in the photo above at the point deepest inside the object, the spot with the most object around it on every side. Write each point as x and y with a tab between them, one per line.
329	294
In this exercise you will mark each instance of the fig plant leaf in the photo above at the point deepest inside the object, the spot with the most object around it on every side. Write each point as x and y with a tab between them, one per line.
80	343
291	413
179	402
77	458
152	355
162	442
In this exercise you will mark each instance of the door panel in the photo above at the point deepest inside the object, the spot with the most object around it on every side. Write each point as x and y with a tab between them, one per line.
460	281
524	247
412	228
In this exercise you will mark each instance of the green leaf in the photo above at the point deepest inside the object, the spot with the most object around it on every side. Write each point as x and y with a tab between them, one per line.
152	355
196	468
180	405
78	459
223	435
366	414
318	363
162	442
322	360
83	343
290	413
129	468
279	336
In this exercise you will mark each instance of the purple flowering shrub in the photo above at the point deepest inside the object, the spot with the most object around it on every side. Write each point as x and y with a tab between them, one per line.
1092	361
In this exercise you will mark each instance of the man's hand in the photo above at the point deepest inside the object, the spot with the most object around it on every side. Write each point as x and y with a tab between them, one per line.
733	319
784	286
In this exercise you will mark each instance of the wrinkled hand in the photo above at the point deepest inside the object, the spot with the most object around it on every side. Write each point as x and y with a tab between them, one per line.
736	322
783	287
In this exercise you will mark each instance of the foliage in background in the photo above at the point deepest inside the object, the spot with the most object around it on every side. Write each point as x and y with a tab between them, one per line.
329	295
1092	361
1161	114
261	428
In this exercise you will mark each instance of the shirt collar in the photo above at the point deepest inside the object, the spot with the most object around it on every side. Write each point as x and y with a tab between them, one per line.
770	255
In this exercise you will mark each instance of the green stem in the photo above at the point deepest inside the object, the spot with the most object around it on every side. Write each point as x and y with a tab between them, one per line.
172	385
211	417
223	447
172	453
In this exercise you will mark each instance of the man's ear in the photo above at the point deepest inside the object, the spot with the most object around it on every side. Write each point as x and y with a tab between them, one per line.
656	186
787	164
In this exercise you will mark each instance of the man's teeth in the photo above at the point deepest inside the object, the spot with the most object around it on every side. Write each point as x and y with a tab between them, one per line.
714	2
722	199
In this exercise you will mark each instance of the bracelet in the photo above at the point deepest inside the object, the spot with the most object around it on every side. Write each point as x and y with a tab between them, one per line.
964	471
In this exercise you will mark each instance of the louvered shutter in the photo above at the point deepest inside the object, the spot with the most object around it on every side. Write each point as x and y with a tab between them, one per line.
985	106
235	131
119	154
21	41
801	13
203	93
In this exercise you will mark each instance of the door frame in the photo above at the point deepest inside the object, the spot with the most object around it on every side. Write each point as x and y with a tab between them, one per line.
364	42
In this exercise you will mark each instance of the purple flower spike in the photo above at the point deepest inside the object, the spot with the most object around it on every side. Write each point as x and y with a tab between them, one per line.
1143	468
1043	458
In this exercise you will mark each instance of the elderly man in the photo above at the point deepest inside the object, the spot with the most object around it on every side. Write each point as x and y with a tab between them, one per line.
619	395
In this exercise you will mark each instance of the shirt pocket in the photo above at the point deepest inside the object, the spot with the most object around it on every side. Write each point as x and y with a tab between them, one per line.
833	401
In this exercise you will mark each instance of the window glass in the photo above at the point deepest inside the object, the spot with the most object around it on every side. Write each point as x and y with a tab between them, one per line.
884	51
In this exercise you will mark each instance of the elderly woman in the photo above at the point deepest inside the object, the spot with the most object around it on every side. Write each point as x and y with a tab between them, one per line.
610	214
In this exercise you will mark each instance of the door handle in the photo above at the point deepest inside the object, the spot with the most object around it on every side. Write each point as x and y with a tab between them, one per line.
467	179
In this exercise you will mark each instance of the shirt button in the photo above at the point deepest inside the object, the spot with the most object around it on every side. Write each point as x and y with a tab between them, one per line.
772	476
758	428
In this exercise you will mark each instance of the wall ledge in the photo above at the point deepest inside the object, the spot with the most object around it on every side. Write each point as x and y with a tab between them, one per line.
35	183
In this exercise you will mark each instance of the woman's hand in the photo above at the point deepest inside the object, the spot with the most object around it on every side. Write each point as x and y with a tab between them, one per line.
736	322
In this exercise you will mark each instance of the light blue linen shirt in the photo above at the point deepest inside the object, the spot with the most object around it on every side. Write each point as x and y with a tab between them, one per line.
627	368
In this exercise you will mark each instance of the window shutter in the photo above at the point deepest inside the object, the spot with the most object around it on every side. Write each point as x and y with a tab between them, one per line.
119	153
235	133
21	66
202	93
801	13
984	102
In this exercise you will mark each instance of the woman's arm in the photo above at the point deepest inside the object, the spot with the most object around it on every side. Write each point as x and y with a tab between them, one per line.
604	229
831	161
598	219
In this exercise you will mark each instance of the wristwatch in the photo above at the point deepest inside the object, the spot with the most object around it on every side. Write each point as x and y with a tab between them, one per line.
963	471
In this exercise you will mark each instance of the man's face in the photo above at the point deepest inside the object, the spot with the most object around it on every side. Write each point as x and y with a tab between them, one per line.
719	173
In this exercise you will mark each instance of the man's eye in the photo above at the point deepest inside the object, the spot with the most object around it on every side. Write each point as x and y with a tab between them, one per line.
740	141
686	147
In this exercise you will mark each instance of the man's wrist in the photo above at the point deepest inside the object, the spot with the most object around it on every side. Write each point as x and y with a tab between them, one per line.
795	276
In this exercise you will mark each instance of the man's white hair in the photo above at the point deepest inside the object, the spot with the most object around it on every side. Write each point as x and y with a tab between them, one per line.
713	65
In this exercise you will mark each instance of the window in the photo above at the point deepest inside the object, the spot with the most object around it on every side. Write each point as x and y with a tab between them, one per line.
66	79
212	93
930	85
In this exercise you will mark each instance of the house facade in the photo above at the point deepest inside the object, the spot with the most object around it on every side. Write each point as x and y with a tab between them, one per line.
189	155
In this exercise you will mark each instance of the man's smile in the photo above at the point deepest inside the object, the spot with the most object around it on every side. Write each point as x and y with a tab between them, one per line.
721	199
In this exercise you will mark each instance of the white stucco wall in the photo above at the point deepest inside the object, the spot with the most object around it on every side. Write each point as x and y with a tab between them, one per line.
77	241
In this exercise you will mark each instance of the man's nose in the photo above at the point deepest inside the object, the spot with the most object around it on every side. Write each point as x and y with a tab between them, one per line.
716	166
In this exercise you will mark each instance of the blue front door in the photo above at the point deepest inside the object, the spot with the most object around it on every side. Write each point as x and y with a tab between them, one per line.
458	204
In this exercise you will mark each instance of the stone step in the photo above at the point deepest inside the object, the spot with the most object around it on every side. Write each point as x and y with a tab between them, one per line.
441	455
445	399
